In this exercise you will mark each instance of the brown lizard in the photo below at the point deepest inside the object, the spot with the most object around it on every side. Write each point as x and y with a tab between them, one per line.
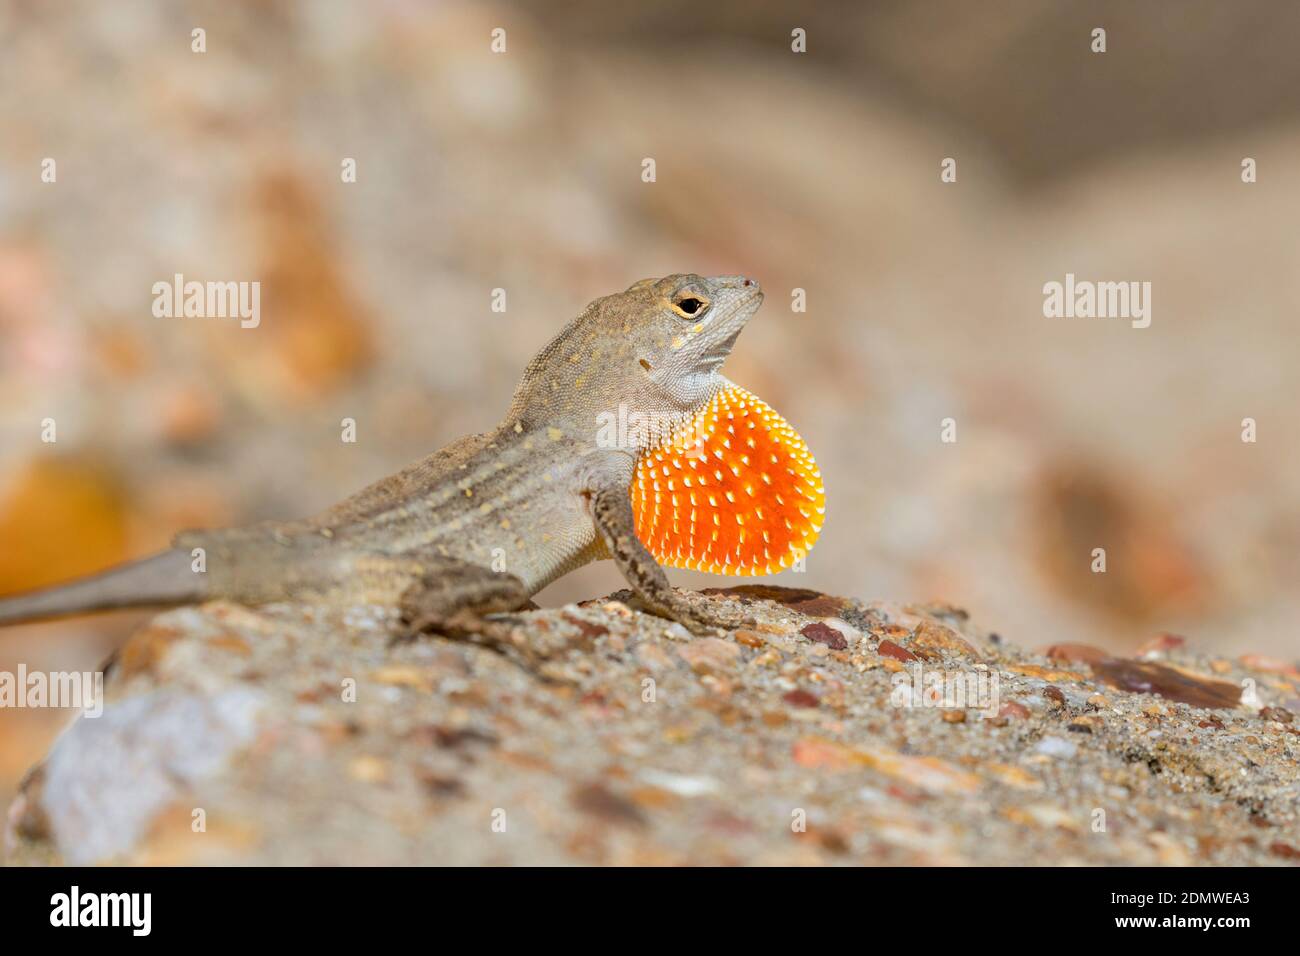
709	477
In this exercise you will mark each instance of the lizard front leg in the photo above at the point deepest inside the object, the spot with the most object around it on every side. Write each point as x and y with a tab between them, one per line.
611	511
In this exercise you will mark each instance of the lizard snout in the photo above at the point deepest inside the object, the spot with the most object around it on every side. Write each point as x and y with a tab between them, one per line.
747	288
744	283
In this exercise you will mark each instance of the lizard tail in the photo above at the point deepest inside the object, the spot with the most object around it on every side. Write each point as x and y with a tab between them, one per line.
158	581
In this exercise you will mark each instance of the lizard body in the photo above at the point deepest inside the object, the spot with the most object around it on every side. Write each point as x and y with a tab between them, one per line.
489	520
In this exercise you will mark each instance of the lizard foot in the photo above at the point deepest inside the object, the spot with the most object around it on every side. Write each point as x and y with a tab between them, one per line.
703	619
463	625
497	634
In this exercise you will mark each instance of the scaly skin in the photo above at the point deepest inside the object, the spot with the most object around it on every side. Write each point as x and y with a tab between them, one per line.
491	519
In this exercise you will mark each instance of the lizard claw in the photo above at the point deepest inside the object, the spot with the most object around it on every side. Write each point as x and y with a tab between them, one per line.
720	624
710	620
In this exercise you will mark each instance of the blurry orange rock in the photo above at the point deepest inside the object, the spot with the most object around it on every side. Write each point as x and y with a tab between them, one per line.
1160	644
190	414
313	332
175	498
60	517
1272	665
123	353
1075	652
1151	571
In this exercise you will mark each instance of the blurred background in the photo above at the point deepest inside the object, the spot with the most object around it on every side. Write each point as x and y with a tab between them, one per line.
817	171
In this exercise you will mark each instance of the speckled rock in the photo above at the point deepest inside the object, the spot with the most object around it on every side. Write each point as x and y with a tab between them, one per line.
598	734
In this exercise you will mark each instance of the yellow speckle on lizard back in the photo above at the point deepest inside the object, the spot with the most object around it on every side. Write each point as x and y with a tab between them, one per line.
760	519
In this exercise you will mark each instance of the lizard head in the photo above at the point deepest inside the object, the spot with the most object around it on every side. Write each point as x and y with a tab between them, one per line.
681	331
654	351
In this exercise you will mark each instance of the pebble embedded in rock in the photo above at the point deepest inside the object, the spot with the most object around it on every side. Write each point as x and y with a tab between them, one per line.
1013	709
1148	677
801	698
896	651
1284	850
941	639
824	634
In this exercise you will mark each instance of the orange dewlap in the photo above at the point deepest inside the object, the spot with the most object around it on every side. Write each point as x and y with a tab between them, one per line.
735	492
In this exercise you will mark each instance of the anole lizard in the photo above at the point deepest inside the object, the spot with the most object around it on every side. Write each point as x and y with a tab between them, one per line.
710	478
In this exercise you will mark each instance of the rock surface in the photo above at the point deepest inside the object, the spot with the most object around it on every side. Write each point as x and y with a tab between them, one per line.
602	735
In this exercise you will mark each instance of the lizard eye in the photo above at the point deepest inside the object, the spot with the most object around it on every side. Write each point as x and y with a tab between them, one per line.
690	306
